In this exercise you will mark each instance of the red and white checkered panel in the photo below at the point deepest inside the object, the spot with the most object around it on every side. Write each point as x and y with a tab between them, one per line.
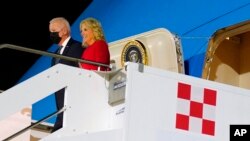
196	109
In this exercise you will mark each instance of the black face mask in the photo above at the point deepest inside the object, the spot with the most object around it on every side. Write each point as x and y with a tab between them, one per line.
54	36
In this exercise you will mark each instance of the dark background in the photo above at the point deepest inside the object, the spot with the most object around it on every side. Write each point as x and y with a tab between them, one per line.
26	23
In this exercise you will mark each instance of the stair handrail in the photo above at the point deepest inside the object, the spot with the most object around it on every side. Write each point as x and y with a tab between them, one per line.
35	124
45	53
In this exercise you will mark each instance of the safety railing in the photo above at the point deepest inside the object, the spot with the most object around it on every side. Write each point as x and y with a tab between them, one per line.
35	124
45	53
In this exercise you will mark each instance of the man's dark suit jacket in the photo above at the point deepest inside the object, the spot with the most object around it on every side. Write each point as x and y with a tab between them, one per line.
72	49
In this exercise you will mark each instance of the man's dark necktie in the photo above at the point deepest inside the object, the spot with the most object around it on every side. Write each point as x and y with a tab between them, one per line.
58	52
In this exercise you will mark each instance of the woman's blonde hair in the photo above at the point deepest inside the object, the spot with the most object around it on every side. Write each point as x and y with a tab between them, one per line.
95	25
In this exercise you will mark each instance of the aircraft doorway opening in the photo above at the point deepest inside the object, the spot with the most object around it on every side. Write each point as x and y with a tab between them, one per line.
227	57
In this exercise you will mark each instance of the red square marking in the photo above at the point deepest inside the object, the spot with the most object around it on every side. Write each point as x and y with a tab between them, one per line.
196	109
184	91
210	97
182	121
208	127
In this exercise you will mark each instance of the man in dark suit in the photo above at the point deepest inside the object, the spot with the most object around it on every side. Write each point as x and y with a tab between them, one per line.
60	34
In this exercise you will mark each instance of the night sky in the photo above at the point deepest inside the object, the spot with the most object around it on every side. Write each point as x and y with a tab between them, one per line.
26	24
